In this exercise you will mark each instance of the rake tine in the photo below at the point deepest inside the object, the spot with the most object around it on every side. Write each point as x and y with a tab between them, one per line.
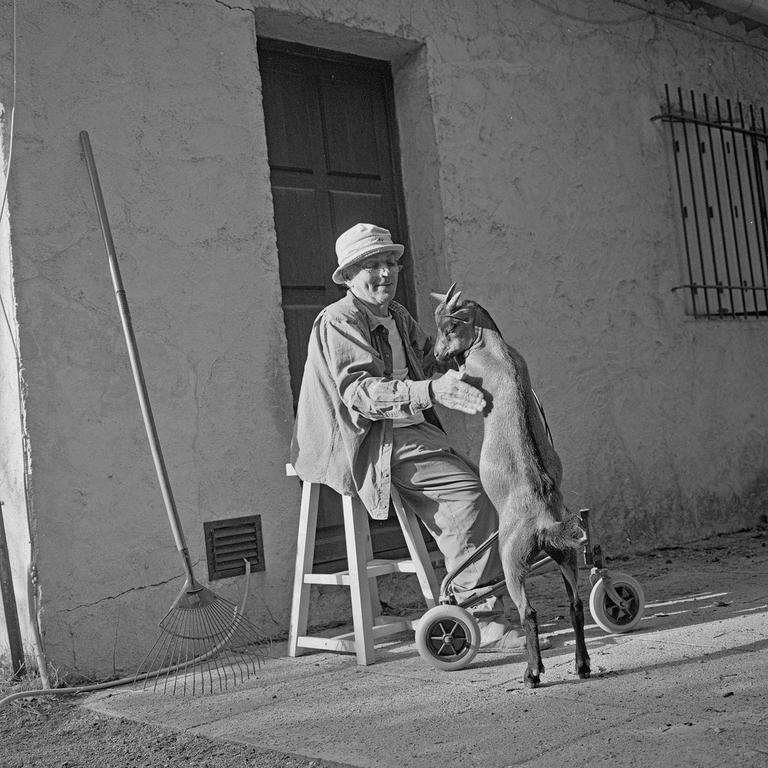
211	662
187	656
240	662
153	654
169	658
172	654
221	631
241	647
205	663
159	650
201	620
172	660
199	669
178	657
209	659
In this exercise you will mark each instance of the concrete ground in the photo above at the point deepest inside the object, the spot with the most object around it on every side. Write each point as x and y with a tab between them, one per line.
687	688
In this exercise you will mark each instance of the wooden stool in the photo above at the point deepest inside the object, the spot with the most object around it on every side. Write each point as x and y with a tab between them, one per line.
360	577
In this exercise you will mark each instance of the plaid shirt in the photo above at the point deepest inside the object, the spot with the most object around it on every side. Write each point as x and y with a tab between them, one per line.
343	431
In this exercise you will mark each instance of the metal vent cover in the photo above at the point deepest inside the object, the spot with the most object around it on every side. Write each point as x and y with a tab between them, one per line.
228	543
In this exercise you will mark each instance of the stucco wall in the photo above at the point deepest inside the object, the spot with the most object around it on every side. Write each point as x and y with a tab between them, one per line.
533	176
558	209
169	95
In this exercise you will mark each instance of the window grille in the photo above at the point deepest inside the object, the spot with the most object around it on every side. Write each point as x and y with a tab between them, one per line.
720	152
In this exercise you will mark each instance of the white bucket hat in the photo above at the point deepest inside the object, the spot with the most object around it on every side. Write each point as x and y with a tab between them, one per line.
359	242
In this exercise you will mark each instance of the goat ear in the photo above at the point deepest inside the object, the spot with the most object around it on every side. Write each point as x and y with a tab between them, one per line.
465	314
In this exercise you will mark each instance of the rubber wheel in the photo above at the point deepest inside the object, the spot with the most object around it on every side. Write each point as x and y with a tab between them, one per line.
448	637
611	616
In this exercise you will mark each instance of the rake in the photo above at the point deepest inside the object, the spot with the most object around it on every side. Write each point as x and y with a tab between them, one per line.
205	640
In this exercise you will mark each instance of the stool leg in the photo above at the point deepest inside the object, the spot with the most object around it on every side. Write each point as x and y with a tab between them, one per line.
356	530
305	554
372	583
417	549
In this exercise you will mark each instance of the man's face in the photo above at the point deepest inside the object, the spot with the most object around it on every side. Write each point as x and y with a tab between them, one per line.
374	280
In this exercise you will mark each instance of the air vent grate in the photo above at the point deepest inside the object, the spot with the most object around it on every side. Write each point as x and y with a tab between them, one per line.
228	543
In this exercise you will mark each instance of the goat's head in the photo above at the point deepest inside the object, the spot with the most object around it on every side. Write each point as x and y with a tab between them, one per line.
455	322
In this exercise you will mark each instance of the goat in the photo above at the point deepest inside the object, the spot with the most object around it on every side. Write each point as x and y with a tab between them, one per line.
519	468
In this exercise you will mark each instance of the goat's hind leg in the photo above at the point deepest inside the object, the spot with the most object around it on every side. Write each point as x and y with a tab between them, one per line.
567	560
516	587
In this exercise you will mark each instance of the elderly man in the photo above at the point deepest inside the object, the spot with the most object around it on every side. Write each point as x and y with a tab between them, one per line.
365	421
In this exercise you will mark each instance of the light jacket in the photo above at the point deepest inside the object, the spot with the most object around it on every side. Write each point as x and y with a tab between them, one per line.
343	431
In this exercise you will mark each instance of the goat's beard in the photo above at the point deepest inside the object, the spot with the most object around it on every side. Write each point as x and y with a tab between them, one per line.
459	359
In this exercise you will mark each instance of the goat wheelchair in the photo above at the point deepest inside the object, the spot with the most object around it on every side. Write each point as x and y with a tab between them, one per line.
448	636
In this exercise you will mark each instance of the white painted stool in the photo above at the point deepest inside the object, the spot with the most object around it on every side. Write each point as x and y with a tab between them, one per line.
360	577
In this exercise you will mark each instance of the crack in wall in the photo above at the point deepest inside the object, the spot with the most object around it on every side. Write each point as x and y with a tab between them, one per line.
237	8
118	595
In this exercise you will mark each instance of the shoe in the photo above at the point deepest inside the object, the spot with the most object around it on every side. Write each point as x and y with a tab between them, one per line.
512	642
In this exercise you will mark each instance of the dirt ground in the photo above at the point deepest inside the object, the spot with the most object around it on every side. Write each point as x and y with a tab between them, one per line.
52	732
57	733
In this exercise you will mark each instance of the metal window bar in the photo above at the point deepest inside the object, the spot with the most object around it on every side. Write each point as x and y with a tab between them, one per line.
721	175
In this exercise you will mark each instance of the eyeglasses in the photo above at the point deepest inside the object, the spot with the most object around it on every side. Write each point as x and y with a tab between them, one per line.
378	266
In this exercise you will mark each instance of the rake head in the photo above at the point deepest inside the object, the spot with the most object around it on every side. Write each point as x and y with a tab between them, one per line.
206	643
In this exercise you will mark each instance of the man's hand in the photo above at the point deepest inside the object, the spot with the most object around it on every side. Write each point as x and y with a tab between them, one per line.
449	390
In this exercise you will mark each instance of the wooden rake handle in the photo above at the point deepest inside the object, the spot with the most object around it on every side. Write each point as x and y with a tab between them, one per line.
133	354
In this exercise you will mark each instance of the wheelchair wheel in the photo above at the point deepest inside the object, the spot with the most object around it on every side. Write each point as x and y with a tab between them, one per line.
614	617
447	637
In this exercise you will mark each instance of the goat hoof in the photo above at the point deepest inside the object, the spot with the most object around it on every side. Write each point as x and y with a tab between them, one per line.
531	680
583	672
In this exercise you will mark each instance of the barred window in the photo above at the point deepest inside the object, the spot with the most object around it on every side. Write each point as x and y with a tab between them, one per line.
720	167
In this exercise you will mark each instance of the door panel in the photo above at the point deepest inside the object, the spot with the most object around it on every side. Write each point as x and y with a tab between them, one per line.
292	108
353	142
349	207
297	215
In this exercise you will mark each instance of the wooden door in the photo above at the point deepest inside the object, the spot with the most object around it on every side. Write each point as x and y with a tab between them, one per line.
331	143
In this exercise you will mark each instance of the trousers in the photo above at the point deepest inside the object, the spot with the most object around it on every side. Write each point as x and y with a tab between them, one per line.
443	490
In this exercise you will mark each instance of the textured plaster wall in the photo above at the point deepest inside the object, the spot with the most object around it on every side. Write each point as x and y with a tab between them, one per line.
169	93
557	202
533	176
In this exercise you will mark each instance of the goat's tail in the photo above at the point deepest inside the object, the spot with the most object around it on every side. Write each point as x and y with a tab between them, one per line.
562	534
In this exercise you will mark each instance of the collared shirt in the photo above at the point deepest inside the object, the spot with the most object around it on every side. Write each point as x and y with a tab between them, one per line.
349	400
399	362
